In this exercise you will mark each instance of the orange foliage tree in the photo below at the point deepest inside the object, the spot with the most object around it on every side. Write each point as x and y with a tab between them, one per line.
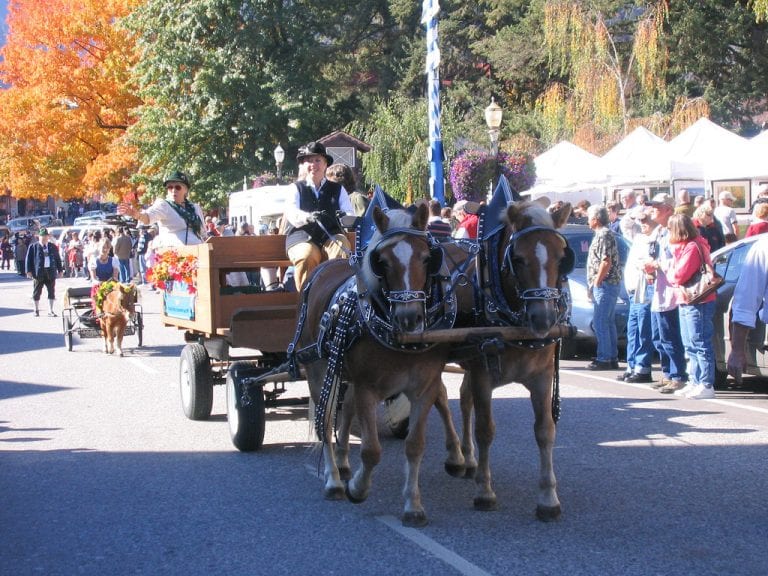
68	99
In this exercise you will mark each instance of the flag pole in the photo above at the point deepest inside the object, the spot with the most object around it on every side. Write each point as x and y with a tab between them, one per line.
430	9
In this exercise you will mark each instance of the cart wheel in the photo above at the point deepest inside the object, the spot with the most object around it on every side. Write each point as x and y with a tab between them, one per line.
67	332
196	382
139	321
397	410
246	423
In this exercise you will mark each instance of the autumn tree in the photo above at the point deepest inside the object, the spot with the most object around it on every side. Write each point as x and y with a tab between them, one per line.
614	72
68	101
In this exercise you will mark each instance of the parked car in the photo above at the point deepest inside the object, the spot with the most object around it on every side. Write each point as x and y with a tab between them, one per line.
579	238
728	261
91	217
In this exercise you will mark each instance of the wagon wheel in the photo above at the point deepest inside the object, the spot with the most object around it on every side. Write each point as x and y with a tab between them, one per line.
196	382
246	423
139	322
397	410
67	331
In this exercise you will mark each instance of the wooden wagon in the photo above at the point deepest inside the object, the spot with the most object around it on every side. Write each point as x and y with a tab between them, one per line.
219	316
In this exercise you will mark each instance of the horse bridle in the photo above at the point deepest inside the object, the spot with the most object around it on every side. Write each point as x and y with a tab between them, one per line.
433	266
496	307
566	265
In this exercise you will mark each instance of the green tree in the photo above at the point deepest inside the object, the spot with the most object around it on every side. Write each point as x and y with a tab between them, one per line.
717	51
225	81
398	134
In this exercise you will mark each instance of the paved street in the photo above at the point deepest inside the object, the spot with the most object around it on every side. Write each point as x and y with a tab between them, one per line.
100	473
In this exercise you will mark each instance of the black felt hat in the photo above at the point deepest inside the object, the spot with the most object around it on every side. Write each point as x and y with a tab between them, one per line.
313	149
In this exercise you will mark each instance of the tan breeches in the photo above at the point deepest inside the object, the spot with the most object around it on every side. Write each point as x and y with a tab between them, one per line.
307	256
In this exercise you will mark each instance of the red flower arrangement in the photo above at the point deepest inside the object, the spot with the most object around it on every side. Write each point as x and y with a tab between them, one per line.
472	171
170	266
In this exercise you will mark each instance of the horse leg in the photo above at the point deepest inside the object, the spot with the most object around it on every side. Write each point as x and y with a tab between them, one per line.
414	515
105	335
548	504
342	435
485	431
119	330
454	464
467	440
370	448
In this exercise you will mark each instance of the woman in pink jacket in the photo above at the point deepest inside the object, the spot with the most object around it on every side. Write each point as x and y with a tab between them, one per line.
696	320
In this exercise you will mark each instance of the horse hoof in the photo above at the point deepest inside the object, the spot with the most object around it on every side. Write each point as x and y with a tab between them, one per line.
415	519
352	498
548	513
484	504
469	472
455	470
336	493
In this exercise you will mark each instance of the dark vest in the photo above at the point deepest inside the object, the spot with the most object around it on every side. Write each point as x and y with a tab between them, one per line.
327	202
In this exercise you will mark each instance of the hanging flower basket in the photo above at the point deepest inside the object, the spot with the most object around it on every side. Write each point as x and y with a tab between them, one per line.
174	271
472	172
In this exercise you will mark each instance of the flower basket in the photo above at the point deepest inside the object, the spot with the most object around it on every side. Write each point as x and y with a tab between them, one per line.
473	171
174	272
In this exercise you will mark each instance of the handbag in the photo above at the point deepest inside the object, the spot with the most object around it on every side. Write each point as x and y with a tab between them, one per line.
702	284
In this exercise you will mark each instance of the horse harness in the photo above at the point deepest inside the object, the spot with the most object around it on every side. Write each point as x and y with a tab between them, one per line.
356	309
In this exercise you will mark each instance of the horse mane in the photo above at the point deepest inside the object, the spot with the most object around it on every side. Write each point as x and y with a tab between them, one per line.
522	215
396	219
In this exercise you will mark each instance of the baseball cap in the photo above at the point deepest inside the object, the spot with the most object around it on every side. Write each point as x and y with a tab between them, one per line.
725	195
43	232
662	198
624	192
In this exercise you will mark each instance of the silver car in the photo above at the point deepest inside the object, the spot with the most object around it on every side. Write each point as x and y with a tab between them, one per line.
728	261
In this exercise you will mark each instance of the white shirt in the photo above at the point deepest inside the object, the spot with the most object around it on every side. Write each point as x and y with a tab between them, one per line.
298	217
751	290
639	254
726	216
172	228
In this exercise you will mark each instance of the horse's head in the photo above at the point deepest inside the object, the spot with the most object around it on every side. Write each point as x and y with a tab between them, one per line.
121	300
535	259
399	264
130	296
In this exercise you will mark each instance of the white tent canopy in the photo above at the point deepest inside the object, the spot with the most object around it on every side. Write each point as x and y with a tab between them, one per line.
565	167
753	163
640	158
706	151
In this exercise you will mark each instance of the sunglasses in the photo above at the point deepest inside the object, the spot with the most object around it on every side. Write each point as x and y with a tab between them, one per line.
174	187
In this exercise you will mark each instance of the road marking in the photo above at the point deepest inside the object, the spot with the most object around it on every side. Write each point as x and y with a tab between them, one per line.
148	369
426	543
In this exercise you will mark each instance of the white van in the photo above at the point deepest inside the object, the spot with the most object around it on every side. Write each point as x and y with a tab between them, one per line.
260	207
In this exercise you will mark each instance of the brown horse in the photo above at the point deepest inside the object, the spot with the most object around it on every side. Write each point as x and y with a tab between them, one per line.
394	281
521	286
116	311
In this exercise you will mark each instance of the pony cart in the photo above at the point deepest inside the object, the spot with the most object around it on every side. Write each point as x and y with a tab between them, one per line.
78	316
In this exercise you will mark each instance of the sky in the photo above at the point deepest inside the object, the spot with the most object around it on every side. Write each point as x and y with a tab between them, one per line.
3	25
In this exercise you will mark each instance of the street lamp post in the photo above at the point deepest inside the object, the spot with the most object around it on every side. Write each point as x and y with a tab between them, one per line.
493	115
279	157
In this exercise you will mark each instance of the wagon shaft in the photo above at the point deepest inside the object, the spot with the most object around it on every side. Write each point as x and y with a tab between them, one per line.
506	333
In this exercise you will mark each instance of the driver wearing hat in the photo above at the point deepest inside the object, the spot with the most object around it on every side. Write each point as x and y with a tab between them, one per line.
314	233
